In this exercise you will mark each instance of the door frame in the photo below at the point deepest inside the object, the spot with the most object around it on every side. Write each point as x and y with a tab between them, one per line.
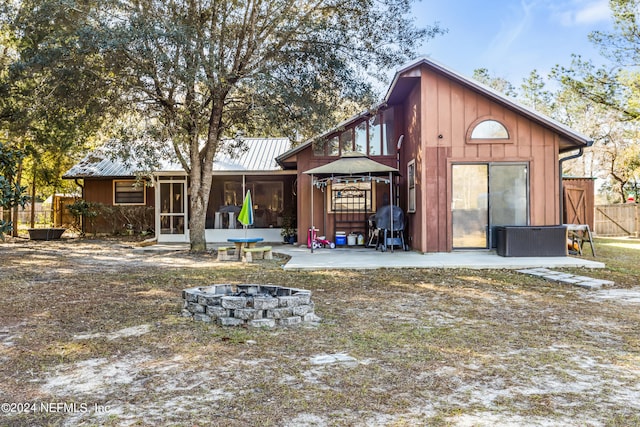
490	243
173	179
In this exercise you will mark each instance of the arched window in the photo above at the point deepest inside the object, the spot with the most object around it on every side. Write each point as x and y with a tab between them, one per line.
490	129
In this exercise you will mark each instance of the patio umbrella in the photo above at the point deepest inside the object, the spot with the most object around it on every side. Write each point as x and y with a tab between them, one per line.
246	213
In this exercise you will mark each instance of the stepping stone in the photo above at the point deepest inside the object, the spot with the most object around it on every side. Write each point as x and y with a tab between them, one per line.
556	276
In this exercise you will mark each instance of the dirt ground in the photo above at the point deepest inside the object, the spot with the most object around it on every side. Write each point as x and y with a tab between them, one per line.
91	334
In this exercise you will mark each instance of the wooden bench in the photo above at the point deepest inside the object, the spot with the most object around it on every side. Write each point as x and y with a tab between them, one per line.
224	255
262	252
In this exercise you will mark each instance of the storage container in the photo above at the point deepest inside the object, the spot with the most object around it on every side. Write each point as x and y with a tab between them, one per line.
530	241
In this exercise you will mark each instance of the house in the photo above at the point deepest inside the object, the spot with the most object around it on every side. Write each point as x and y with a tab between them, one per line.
469	160
116	186
457	157
117	191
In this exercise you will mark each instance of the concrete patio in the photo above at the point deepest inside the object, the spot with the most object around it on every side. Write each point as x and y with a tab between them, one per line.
368	258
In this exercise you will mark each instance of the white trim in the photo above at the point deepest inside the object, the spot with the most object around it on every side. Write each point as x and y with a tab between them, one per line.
410	208
135	183
176	179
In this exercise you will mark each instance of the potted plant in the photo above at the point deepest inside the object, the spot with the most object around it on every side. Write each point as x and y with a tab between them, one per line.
288	230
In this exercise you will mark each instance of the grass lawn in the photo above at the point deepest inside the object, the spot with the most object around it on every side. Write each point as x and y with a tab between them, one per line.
91	334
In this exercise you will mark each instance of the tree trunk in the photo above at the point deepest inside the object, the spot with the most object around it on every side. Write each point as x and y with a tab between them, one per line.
197	222
6	214
201	175
14	229
33	198
198	215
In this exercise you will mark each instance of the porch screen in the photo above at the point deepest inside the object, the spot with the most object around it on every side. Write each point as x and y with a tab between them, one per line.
267	198
172	207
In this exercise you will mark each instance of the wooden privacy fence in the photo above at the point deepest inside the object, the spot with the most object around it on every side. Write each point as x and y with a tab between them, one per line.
617	220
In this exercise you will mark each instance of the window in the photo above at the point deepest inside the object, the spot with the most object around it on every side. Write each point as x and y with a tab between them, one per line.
388	133
318	147
360	133
489	129
346	141
411	177
374	135
351	197
332	147
129	193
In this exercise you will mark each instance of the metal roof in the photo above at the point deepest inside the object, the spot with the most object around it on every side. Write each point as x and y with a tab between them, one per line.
98	164
258	154
255	155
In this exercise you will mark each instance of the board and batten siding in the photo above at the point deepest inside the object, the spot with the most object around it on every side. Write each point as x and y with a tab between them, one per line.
448	110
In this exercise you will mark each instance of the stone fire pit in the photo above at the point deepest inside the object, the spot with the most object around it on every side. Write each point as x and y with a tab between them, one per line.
252	305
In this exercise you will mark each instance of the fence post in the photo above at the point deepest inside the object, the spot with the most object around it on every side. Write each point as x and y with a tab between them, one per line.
637	221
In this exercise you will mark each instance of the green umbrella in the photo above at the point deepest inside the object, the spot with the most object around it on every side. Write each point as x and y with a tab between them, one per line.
246	213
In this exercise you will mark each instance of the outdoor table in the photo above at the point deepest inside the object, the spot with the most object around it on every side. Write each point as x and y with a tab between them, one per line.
240	243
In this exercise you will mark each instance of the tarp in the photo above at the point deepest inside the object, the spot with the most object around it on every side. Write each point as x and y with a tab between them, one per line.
352	164
388	214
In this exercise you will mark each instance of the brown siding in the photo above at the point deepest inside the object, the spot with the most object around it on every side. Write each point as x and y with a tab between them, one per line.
307	161
321	220
435	200
412	150
101	191
448	111
436	117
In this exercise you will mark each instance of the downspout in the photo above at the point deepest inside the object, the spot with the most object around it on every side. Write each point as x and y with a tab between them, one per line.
560	162
312	226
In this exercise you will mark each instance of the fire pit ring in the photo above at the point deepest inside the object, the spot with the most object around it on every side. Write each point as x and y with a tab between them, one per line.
251	305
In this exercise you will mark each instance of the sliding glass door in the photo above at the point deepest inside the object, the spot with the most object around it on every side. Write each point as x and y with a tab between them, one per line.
486	195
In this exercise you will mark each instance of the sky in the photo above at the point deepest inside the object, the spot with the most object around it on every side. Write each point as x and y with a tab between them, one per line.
510	38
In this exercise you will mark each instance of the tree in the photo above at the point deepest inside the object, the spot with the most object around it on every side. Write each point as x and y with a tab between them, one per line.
11	193
203	70
615	91
54	94
500	84
534	94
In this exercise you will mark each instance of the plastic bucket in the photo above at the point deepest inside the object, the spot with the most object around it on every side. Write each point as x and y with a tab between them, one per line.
351	239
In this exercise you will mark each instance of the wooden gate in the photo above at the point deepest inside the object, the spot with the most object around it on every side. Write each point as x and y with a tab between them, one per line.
578	201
